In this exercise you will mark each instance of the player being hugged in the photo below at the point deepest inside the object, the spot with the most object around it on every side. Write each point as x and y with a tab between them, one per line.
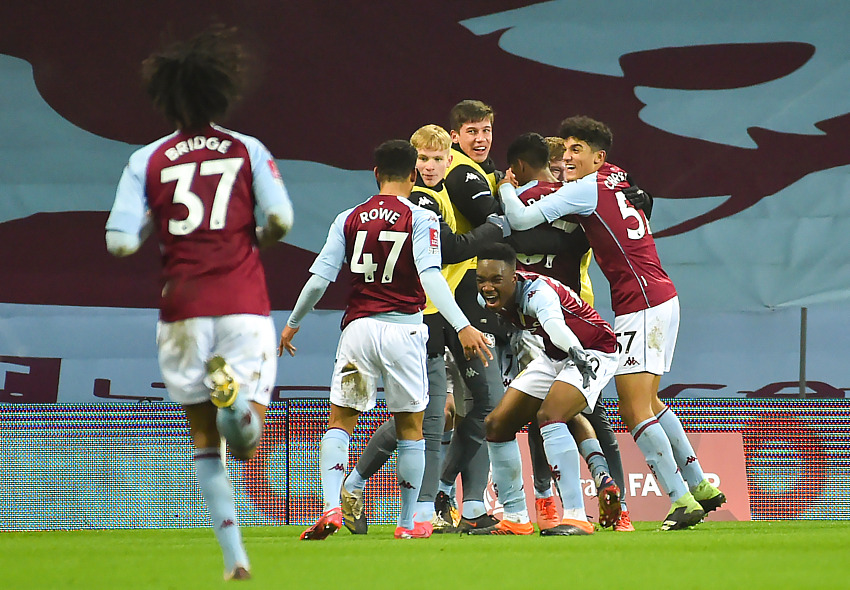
579	358
393	251
645	303
198	188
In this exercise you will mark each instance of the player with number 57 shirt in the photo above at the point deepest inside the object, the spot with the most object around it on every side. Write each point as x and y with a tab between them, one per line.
646	307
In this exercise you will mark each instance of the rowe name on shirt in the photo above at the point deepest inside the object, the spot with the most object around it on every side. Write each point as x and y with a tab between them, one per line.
379	213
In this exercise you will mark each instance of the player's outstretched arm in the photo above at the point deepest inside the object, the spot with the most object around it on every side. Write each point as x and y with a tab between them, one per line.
519	216
313	290
459	247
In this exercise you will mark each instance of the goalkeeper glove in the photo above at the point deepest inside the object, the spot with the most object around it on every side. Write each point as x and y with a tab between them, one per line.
501	222
640	199
582	362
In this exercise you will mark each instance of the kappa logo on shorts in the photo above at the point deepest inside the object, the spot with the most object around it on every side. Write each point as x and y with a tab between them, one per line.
630	362
470	372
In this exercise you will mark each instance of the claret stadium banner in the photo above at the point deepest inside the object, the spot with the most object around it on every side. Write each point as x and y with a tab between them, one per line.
734	115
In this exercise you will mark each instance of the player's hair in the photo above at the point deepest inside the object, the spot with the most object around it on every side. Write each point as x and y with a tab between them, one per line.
195	82
470	111
395	160
498	251
597	134
556	147
431	137
531	148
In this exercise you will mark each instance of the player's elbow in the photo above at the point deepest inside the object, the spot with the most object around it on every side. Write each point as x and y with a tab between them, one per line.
277	228
121	244
521	223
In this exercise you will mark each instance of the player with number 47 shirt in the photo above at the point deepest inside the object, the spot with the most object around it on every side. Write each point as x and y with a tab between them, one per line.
393	251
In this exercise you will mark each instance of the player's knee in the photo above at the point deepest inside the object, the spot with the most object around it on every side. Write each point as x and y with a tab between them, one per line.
494	428
545	416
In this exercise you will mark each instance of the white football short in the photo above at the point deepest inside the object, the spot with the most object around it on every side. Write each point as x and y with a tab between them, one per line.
646	339
247	342
524	348
536	379
369	349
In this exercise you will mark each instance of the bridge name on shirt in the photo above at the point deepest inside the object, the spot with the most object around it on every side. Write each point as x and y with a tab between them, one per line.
199	142
388	215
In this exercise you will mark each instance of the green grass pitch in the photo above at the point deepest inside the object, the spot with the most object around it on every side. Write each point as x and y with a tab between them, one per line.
714	555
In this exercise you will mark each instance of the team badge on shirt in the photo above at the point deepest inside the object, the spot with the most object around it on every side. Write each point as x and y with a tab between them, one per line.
275	171
434	242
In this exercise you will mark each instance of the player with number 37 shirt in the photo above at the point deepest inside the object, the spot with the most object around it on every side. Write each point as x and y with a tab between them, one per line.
197	190
201	188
